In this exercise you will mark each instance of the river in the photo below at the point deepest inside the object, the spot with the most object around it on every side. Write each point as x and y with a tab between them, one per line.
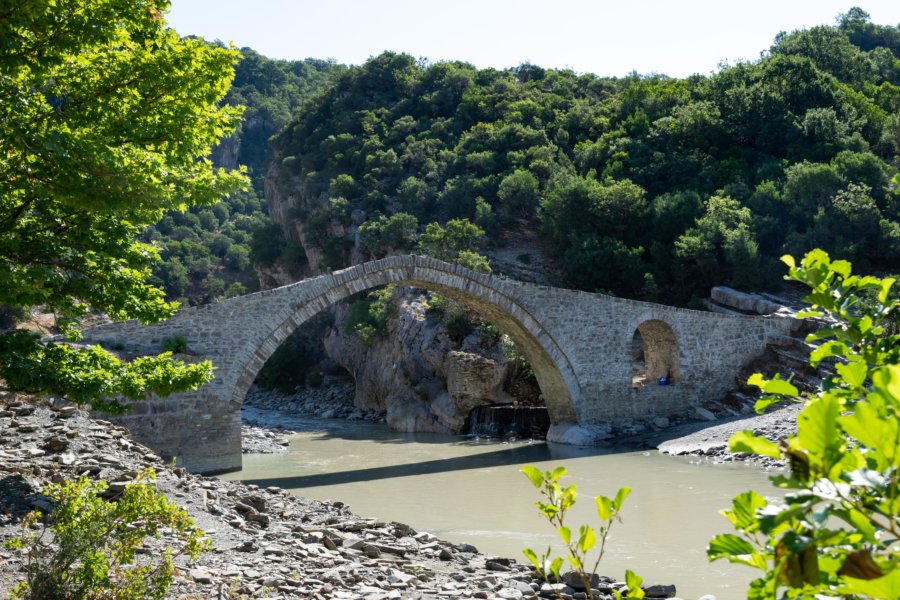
466	490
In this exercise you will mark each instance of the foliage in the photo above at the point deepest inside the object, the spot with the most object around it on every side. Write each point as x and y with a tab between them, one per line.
93	550
175	345
558	501
205	259
455	243
107	119
383	235
93	375
835	534
739	166
368	317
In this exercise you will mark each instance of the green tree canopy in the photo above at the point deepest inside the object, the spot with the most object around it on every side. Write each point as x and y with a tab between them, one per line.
107	117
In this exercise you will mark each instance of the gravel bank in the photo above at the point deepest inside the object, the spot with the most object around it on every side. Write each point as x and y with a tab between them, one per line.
267	542
711	439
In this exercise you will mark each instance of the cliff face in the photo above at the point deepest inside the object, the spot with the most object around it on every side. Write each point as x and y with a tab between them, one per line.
417	374
423	379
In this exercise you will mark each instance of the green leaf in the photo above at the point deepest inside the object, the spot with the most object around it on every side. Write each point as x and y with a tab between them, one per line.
757	380
885	291
746	441
556	565
818	433
604	508
736	550
535	475
530	554
779	386
873	430
634	581
860	522
765	402
842	267
854	373
789	261
587	538
827	350
887	380
886	588
621	495
558	473
565	533
743	510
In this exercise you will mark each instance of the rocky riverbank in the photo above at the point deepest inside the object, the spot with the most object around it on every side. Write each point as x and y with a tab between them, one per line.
267	543
264	428
710	440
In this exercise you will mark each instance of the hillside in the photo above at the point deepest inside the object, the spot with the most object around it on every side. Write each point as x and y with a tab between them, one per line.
209	252
646	186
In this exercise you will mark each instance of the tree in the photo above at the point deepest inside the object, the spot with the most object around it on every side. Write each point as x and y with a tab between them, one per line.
106	121
518	193
447	243
383	235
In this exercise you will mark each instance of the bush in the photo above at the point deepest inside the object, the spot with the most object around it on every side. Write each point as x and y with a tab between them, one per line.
369	316
458	327
558	501
93	550
175	345
835	533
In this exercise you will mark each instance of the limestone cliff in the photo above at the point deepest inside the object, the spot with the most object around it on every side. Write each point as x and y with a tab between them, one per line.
423	379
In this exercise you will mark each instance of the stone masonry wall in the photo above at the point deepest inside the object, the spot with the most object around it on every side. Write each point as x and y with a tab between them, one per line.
577	342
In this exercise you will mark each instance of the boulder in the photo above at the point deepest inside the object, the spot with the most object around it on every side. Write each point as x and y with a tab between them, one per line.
578	435
744	302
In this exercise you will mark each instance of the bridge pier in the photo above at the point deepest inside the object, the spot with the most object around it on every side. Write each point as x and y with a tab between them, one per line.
199	431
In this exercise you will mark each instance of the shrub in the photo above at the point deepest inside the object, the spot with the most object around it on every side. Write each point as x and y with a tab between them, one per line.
835	533
558	501
93	550
176	345
369	316
459	326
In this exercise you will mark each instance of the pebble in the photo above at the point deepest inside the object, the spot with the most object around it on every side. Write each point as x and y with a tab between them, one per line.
263	539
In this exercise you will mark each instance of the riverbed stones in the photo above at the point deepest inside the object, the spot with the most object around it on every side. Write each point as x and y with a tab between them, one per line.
264	540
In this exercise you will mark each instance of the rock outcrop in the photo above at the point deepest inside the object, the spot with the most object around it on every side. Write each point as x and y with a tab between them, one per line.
417	374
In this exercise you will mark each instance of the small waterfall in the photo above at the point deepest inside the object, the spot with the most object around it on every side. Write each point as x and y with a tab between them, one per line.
505	420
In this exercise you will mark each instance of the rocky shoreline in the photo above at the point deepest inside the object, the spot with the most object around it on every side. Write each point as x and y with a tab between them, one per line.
267	543
264	430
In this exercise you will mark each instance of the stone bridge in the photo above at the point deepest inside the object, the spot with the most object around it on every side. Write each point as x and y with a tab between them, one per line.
578	343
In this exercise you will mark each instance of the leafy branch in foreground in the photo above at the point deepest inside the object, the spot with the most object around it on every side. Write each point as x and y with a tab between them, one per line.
93	375
558	501
93	549
837	531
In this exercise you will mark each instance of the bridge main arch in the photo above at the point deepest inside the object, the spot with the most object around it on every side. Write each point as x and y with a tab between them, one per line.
551	366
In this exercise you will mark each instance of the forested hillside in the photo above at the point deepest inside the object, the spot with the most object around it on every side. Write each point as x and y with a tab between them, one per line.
645	186
208	252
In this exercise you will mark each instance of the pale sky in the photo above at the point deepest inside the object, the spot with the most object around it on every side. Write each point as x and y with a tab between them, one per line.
673	37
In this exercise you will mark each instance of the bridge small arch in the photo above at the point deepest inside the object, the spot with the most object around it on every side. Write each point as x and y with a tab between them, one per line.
655	354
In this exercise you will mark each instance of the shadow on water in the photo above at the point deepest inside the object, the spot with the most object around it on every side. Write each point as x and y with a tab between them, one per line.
516	453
